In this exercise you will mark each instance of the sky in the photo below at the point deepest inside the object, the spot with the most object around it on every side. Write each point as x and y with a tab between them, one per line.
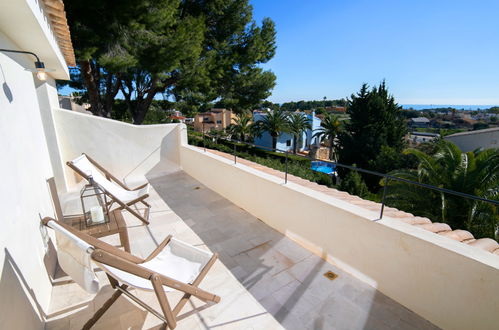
428	51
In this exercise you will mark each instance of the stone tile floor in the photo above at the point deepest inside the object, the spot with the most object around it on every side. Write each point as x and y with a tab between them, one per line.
265	280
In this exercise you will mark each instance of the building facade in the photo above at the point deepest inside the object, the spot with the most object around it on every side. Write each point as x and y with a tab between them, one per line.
215	119
285	140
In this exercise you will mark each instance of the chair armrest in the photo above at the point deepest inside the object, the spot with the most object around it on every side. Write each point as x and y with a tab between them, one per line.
159	248
97	243
141	186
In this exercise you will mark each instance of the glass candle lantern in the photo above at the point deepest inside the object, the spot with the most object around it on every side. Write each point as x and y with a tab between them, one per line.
94	204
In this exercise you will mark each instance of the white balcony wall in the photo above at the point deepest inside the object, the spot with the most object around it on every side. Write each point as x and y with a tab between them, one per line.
451	284
128	151
25	165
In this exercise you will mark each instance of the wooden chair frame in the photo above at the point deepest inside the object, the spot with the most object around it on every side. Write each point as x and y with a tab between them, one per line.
107	254
110	177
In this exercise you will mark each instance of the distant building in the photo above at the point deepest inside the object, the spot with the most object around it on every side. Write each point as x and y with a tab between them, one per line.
214	119
69	103
481	139
422	137
181	119
285	140
420	122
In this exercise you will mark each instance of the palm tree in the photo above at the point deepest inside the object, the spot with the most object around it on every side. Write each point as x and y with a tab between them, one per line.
297	124
329	130
241	127
475	173
275	123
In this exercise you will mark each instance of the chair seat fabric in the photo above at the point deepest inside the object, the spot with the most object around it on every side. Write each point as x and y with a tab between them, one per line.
74	258
178	260
84	165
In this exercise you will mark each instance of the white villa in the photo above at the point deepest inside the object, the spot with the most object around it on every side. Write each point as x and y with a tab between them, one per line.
276	242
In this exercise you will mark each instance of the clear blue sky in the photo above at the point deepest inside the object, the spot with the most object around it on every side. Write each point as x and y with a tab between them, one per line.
429	51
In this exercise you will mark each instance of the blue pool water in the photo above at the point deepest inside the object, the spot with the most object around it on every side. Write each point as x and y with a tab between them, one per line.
323	167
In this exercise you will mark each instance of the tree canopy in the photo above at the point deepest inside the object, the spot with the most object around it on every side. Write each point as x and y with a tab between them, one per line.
375	121
191	51
474	173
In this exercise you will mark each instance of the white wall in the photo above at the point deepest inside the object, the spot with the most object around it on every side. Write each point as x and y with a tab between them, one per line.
451	284
25	287
128	151
486	139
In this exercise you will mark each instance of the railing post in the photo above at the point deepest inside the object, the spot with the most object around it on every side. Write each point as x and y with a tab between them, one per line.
286	172
204	142
387	180
235	161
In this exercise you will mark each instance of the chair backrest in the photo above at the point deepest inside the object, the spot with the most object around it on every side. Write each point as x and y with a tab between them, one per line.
74	256
88	169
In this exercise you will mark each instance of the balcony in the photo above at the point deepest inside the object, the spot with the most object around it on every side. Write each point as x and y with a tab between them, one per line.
266	280
276	242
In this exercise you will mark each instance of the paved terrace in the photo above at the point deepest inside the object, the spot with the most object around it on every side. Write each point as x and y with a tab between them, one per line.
265	280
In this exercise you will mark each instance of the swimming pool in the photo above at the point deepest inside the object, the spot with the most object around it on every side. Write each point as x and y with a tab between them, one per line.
323	167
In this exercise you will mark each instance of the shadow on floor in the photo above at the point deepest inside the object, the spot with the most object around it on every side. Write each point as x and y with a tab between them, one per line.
285	278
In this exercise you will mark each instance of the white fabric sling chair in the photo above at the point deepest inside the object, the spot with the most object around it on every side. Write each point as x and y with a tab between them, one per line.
173	265
117	191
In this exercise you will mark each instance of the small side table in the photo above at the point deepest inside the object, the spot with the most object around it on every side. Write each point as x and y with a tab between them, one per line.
116	225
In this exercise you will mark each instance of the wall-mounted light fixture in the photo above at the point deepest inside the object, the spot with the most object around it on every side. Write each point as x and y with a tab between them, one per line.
39	66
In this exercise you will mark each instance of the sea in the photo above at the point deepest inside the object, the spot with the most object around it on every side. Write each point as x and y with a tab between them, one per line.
455	106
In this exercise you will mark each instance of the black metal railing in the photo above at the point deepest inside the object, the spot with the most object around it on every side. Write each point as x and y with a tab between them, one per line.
387	177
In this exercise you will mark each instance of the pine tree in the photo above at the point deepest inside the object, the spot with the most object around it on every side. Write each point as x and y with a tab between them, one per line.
375	121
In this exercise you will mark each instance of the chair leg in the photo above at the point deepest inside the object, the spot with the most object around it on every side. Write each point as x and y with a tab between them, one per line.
90	323
136	214
163	301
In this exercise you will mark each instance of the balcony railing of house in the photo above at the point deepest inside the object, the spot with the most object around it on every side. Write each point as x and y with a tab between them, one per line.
386	177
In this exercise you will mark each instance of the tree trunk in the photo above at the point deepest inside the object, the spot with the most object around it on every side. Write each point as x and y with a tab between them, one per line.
295	141
96	106
274	142
331	147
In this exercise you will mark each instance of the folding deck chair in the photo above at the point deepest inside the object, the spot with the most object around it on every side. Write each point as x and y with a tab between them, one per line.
173	265
117	191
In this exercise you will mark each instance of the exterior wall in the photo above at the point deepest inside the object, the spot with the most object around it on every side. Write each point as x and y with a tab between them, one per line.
128	151
218	119
451	284
25	287
265	139
469	142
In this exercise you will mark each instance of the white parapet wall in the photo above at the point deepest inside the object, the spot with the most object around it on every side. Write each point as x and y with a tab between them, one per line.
130	152
451	284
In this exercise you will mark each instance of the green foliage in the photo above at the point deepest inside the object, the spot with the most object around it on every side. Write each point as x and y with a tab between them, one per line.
297	124
298	166
480	125
275	123
242	128
375	121
310	105
329	130
474	173
389	159
354	185
194	51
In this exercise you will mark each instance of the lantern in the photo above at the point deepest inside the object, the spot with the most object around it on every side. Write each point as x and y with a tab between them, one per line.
94	204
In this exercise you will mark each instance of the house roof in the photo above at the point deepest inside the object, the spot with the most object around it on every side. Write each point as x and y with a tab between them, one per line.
480	131
425	134
420	120
57	17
